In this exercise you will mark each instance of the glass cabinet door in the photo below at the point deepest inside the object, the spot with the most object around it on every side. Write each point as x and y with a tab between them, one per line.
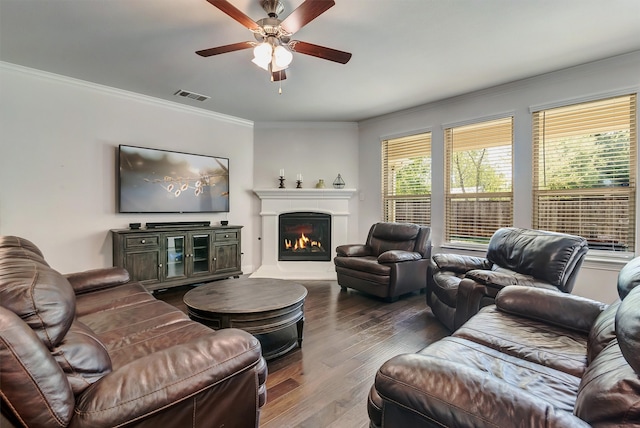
200	245
175	256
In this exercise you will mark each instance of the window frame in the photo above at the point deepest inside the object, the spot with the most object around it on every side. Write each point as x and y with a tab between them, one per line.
477	242
408	145
629	191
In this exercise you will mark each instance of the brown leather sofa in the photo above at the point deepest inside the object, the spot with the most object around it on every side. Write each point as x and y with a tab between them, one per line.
392	262
537	358
459	285
94	350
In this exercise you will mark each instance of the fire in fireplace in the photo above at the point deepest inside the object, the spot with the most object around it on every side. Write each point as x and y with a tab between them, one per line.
304	236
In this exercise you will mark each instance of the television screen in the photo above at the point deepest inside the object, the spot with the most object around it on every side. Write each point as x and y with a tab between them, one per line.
162	181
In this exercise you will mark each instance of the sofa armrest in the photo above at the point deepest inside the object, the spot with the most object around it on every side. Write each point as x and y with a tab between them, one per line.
549	306
460	263
457	395
97	279
354	250
154	383
396	256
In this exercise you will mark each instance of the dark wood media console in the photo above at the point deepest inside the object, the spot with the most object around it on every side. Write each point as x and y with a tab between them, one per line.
165	257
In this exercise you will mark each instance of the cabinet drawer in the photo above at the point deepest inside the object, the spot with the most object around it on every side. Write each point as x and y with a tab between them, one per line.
142	241
231	235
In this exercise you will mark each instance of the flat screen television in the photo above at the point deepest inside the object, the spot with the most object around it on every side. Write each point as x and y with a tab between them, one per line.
163	181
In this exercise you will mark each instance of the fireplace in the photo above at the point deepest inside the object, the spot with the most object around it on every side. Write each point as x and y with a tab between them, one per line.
304	236
275	202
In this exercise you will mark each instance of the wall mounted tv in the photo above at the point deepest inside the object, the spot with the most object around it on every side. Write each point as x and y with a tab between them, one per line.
163	181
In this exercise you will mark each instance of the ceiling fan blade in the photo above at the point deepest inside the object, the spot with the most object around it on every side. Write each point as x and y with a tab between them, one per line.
226	48
236	14
277	76
319	51
305	13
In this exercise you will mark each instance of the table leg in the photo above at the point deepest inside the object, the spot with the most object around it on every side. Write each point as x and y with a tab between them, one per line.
299	328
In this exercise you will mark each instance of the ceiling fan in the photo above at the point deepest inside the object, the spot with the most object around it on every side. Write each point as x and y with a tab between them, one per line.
273	46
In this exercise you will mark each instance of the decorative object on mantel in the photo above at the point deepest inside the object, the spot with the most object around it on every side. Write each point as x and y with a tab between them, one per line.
281	179
320	184
299	181
338	183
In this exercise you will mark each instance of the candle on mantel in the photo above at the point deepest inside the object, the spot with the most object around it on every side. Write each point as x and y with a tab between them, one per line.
282	173
299	178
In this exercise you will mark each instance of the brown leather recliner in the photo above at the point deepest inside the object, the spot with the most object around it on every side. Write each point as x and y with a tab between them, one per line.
459	285
392	262
537	358
94	350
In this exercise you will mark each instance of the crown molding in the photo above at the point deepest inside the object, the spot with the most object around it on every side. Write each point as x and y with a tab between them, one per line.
134	96
306	125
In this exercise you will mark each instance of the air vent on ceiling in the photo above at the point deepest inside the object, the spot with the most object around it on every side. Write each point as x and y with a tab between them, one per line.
192	95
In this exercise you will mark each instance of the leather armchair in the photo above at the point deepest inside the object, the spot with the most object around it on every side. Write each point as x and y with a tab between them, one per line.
392	262
459	285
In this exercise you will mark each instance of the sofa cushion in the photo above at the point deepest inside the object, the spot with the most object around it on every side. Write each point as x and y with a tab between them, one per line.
502	278
82	357
130	294
393	236
628	328
395	256
602	332
608	395
528	339
558	387
367	264
545	255
13	246
39	295
396	231
33	384
629	277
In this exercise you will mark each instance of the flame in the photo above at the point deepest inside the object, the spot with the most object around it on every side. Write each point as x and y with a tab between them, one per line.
301	243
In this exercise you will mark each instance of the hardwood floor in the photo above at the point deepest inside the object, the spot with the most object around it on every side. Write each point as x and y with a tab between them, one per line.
347	337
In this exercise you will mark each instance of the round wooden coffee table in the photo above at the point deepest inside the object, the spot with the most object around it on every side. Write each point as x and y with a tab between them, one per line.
270	309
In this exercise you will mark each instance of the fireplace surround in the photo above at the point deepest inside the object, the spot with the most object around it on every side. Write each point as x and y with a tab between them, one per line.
274	202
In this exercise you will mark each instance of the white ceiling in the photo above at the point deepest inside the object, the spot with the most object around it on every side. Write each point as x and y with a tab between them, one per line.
405	52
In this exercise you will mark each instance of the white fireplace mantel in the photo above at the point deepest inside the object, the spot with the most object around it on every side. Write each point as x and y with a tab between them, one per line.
278	201
304	193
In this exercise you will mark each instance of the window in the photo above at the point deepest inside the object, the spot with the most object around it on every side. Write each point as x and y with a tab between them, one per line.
478	191
406	179
585	171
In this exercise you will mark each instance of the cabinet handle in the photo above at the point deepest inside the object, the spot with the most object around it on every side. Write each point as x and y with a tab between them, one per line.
143	241
214	259
160	265
226	236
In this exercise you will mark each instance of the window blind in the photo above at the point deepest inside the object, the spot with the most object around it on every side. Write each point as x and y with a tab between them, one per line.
406	179
584	168
478	192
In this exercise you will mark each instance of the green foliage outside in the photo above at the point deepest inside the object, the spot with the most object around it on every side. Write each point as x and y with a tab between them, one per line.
473	172
413	177
591	161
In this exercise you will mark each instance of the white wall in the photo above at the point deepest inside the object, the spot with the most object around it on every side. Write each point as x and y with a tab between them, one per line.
596	280
317	150
59	140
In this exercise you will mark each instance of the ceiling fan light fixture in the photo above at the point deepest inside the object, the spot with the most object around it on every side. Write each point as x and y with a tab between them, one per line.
262	52
261	63
282	56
